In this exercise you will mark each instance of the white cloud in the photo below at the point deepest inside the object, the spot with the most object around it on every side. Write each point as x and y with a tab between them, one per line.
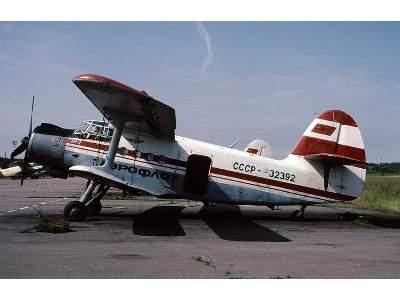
208	60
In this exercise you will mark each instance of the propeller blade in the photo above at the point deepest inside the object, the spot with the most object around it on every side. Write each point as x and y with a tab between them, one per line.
17	151
30	125
25	142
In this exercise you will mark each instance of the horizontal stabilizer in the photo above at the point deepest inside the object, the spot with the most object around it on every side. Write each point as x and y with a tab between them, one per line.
335	159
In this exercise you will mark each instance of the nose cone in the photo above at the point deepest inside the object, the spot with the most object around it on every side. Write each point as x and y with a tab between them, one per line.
47	149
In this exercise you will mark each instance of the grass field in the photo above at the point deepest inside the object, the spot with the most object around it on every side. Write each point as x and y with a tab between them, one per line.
380	192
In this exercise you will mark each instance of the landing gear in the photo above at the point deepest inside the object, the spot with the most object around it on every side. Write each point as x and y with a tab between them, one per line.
209	204
95	207
76	211
299	213
87	199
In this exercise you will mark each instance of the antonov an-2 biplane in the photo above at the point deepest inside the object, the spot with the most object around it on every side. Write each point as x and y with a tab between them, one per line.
140	151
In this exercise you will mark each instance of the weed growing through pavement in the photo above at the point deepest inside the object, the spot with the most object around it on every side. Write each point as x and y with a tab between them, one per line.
205	260
58	225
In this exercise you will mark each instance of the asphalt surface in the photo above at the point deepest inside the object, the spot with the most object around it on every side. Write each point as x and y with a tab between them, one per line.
149	238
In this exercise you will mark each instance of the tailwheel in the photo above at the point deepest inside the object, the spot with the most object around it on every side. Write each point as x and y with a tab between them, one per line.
299	213
95	207
75	211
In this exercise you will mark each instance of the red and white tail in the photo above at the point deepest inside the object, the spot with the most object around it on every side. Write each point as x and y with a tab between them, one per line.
332	137
334	141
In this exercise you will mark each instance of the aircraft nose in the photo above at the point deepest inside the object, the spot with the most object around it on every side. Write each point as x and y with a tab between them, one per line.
47	149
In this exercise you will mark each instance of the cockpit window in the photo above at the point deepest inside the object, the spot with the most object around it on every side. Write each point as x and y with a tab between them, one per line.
82	127
96	130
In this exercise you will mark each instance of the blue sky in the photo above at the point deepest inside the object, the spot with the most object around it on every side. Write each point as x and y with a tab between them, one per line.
266	79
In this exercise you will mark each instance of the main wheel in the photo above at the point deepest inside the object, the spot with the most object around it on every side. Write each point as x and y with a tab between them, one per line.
75	211
297	214
95	207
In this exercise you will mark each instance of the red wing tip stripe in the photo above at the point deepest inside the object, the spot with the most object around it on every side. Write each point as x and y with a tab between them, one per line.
104	80
339	117
323	129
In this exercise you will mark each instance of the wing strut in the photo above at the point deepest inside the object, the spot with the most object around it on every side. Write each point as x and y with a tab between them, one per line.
112	150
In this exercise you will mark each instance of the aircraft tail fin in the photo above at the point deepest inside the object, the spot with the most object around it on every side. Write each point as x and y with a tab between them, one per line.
333	138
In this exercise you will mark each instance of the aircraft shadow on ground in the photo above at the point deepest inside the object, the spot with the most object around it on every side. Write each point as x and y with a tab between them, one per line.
230	225
159	221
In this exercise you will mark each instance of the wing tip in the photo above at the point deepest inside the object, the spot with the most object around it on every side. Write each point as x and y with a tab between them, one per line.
94	78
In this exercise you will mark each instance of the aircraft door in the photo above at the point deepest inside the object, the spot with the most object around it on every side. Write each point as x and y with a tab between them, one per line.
197	174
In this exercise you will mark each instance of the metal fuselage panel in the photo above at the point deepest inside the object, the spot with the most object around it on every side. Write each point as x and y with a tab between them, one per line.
237	177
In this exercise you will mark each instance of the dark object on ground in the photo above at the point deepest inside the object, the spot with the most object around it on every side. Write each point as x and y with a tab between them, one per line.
59	225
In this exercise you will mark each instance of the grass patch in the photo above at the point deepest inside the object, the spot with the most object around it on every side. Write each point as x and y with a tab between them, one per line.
59	225
381	193
205	260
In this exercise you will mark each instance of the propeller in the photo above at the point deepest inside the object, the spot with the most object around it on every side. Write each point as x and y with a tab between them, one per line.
24	146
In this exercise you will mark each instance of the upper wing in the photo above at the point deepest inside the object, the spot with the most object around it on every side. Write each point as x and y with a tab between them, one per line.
117	101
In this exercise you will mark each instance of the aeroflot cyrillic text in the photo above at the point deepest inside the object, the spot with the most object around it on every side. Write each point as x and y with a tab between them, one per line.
144	172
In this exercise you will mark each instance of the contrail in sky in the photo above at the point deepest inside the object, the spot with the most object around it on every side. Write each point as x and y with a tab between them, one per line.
208	60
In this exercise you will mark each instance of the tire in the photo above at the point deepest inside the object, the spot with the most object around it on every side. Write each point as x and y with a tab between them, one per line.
75	211
95	207
297	215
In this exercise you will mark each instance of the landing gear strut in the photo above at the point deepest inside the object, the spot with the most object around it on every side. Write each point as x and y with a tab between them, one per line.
299	213
76	211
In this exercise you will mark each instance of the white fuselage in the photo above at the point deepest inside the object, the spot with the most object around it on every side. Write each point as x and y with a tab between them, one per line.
235	176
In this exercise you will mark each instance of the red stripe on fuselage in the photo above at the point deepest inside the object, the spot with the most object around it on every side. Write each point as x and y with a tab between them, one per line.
102	147
231	174
285	185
